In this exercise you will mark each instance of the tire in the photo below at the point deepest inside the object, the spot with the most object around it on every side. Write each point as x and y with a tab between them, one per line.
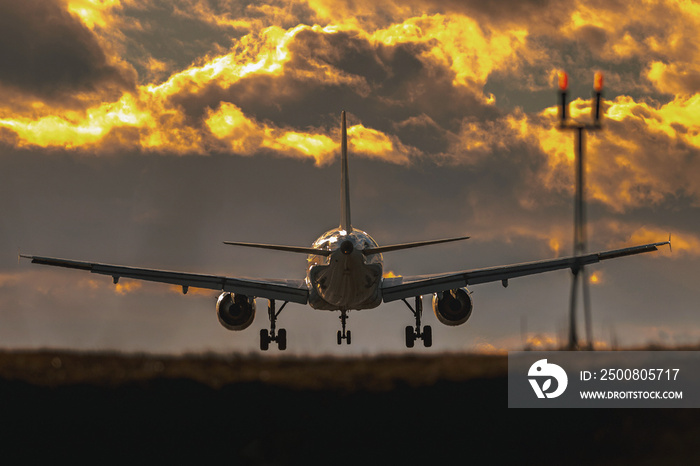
264	339
340	338
410	337
347	336
427	336
282	339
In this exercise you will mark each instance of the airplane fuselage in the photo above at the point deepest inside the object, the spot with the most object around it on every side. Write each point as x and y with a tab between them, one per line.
347	278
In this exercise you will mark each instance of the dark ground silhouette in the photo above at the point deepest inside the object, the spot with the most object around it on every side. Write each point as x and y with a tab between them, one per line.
444	409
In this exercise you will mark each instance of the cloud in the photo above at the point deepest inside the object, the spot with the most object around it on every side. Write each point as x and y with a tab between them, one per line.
9	279
403	69
415	76
246	136
674	78
48	53
127	286
659	35
541	342
645	154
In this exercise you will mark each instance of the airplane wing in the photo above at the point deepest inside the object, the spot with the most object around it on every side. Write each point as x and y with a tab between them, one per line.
408	287
285	290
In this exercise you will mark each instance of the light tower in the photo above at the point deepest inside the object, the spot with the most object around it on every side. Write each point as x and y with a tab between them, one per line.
579	200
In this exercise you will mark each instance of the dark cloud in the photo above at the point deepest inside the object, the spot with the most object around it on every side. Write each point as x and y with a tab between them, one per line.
162	36
381	84
536	14
49	53
172	34
400	82
592	36
375	15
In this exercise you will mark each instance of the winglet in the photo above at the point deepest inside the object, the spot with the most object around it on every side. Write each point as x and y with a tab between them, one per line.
344	183
670	246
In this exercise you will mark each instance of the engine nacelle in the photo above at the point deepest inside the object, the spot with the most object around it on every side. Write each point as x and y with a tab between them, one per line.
454	307
235	311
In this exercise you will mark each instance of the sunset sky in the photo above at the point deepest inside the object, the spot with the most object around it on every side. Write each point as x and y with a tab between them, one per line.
147	132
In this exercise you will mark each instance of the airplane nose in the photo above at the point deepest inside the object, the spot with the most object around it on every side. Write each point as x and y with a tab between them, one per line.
346	247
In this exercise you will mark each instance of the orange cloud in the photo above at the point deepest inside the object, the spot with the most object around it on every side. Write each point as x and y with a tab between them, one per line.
376	144
127	286
94	13
541	342
488	348
459	43
151	121
148	120
663	30
246	136
9	279
467	44
634	161
243	135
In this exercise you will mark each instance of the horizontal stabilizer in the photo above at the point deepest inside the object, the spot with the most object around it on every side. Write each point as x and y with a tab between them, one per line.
277	247
396	247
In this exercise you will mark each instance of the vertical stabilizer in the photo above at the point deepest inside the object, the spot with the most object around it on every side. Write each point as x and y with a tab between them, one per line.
344	183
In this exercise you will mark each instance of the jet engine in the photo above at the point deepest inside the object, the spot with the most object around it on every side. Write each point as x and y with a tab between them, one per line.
453	307
235	311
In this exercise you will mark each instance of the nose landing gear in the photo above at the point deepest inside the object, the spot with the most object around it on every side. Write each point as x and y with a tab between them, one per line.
344	335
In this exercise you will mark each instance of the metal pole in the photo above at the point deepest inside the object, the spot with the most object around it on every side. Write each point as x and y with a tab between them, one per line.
580	233
580	205
573	337
579	246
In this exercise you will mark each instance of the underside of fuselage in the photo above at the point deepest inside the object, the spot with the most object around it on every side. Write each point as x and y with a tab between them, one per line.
347	279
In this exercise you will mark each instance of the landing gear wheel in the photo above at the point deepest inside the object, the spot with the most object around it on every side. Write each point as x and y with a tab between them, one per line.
347	336
340	338
410	337
282	339
427	336
264	339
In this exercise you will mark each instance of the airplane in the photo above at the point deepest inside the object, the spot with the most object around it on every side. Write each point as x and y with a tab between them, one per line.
345	272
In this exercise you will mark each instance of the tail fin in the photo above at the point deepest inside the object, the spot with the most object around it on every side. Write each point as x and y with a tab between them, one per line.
344	183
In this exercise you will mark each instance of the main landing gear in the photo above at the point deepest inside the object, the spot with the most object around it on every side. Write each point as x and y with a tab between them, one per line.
280	337
413	334
344	335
